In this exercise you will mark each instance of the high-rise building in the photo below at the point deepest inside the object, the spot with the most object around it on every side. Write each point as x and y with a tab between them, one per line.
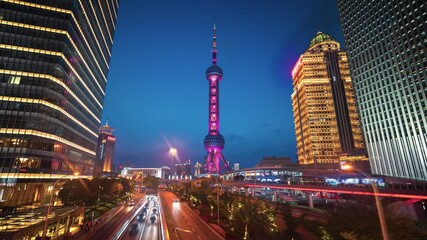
183	170
197	169
54	61
236	166
387	49
325	117
105	149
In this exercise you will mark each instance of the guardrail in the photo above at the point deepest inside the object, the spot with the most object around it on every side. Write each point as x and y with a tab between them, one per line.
163	225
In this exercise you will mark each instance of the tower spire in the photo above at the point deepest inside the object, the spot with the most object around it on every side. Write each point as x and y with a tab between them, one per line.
214	61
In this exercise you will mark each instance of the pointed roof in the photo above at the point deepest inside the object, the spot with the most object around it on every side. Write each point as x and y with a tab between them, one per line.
106	129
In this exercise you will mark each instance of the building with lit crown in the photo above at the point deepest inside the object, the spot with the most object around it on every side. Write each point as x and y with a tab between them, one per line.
54	62
387	50
105	150
326	122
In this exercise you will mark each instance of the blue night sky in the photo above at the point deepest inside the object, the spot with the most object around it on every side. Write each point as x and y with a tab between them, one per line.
157	85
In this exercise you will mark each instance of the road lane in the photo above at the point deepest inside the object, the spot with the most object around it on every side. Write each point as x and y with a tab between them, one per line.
185	225
146	229
109	228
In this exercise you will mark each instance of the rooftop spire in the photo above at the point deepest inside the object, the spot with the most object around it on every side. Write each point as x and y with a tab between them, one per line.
214	43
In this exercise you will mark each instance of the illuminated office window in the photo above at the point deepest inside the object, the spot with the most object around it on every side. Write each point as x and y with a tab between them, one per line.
14	80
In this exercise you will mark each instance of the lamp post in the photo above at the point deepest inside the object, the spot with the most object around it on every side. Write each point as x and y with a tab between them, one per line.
118	188
50	203
173	152
377	200
217	199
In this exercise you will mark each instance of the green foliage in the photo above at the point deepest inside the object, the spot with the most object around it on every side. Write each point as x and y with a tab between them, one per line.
284	209
255	214
89	192
361	220
151	182
78	192
403	228
324	235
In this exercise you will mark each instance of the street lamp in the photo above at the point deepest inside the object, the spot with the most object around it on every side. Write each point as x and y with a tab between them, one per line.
173	152
217	198
50	203
377	200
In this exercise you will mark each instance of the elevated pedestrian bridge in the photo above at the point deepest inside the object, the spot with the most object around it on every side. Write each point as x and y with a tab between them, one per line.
394	191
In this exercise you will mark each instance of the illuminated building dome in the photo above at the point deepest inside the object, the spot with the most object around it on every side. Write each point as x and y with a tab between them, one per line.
214	70
319	38
214	141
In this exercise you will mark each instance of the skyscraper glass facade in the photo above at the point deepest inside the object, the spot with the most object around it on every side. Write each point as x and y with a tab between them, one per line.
387	48
54	61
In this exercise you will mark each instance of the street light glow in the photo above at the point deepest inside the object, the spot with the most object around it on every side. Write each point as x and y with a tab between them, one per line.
173	151
50	203
346	167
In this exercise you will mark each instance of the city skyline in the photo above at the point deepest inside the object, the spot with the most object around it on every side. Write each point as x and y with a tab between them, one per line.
290	111
166	61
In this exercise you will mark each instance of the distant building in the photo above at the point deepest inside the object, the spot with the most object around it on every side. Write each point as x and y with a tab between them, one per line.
325	115
280	162
105	149
183	170
197	169
162	172
387	51
236	166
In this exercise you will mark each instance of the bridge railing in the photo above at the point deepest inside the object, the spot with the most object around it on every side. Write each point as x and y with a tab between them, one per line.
388	187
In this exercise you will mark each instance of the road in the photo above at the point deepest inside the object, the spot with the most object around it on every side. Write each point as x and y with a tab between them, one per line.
109	227
184	224
146	228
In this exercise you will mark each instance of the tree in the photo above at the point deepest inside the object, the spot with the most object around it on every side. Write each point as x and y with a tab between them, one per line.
284	209
151	182
78	192
252	217
360	220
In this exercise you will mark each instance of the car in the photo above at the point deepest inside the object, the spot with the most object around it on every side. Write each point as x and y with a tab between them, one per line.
131	203
152	219
134	228
154	210
175	200
141	217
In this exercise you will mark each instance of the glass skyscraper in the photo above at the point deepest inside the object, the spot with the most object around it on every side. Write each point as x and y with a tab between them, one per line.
387	48
54	61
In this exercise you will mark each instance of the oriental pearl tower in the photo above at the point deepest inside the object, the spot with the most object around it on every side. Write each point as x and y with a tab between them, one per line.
214	141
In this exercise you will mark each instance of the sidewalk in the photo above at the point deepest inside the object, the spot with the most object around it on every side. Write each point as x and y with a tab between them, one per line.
86	231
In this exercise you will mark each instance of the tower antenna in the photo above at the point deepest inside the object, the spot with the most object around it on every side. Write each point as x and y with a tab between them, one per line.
214	61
